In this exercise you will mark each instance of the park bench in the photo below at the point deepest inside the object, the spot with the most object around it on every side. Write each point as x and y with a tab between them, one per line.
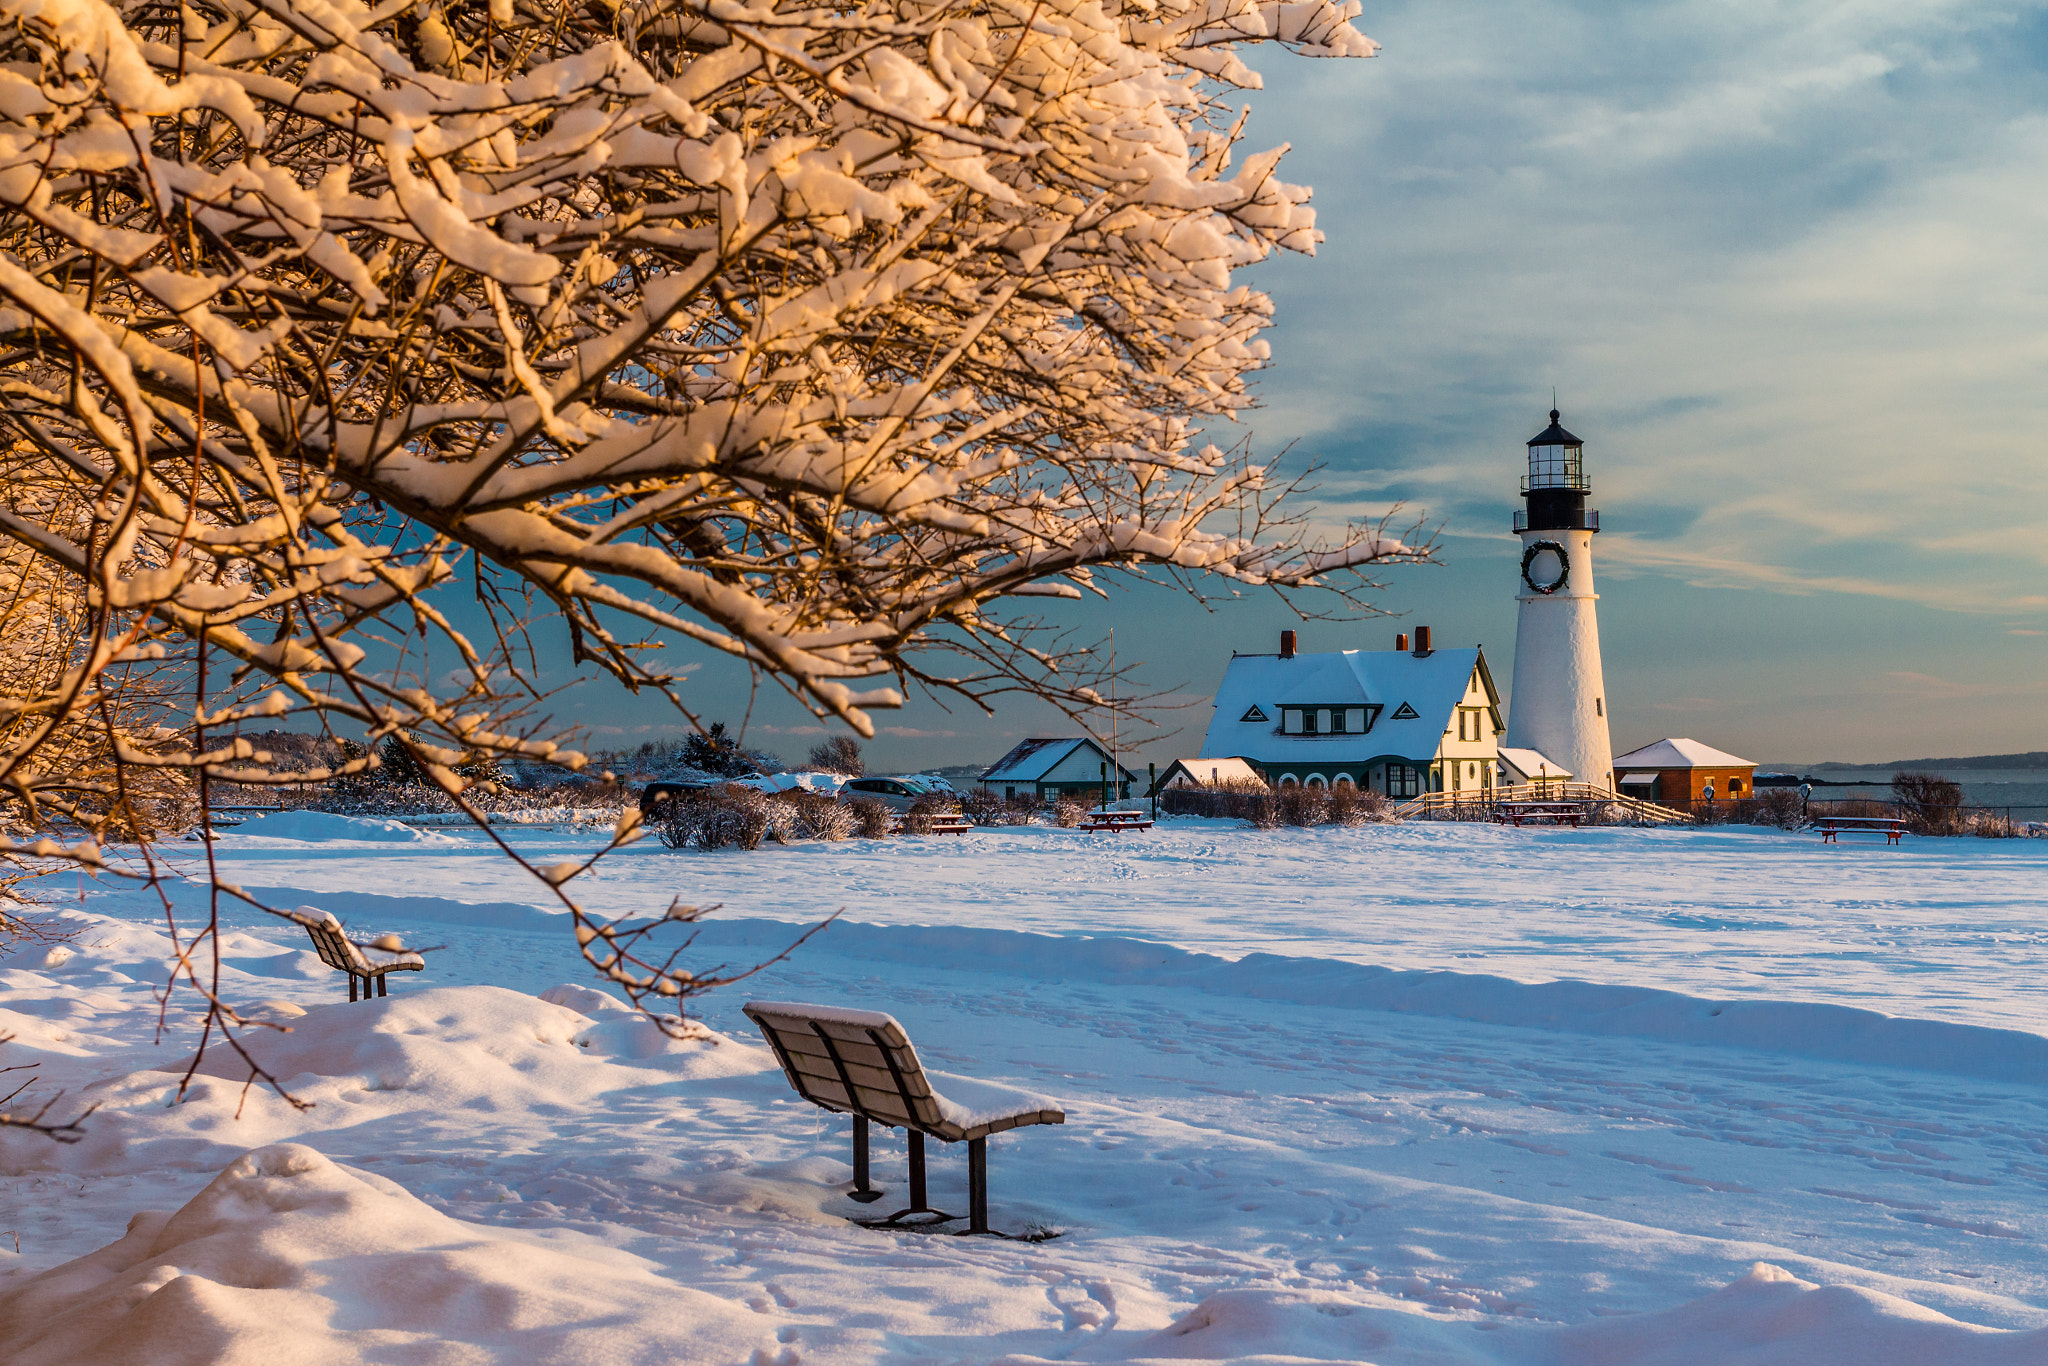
364	962
861	1063
1539	813
1893	828
1116	820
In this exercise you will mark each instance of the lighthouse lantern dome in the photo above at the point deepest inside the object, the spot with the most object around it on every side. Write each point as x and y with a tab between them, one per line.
1557	460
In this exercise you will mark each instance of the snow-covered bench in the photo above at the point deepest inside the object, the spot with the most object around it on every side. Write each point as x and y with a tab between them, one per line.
367	962
860	1062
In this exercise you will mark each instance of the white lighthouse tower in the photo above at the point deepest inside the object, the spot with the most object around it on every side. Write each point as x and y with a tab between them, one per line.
1559	707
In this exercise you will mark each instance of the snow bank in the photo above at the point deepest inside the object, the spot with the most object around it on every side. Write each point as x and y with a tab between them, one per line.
1768	1318
288	1260
1772	1318
495	1055
477	1046
1826	1032
319	827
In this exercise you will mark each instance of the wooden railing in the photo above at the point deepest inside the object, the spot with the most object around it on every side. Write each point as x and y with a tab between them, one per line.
1479	805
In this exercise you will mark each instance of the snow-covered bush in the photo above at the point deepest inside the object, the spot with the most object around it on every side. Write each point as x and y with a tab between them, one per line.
1068	812
816	815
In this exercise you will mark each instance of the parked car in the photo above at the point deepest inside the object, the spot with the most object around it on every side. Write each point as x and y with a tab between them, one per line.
896	793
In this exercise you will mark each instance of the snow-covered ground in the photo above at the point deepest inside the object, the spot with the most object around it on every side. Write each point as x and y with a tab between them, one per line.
1327	1099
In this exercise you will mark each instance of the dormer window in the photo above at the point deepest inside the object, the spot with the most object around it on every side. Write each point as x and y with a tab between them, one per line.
1327	720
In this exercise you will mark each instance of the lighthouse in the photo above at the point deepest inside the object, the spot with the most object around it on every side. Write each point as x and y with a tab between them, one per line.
1559	707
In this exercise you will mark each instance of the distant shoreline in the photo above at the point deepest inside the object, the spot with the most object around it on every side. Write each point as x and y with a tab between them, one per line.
2037	759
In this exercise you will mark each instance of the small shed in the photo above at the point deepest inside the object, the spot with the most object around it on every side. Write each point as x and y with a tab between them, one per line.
1518	766
1675	772
1048	769
1207	773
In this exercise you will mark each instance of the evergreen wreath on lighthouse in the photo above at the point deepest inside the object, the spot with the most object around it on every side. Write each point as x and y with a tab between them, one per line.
1564	567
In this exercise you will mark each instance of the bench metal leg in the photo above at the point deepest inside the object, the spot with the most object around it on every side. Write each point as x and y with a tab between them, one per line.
351	987
382	988
917	1194
977	1185
865	1193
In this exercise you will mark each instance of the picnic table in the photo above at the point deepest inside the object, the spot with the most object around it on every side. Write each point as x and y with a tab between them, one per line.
1539	813
952	824
1893	828
860	1062
1116	820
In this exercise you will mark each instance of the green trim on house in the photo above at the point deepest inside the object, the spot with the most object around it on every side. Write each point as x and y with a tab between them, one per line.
1429	777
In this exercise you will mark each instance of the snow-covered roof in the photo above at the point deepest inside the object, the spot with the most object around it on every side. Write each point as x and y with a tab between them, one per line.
1533	763
1680	753
1254	686
1032	759
1212	772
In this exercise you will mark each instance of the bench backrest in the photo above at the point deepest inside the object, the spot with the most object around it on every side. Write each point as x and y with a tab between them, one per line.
854	1061
329	941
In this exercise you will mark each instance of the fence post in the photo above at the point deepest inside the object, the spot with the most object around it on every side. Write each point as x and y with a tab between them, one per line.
1153	770
1105	784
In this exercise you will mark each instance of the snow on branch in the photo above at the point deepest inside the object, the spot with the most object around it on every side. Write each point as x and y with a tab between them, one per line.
821	336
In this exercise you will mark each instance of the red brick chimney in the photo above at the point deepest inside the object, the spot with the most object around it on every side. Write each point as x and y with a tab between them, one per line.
1287	644
1401	641
1421	641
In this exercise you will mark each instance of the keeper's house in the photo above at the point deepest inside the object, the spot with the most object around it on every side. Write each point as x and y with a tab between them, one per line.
1675	772
1050	769
1397	721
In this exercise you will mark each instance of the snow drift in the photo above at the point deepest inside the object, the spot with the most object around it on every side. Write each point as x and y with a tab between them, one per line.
288	1260
325	826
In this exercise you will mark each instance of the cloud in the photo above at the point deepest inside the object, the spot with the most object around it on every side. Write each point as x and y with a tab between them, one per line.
913	733
1782	263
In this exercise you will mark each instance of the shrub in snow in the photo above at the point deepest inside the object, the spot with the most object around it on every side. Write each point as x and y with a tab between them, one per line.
715	817
918	819
1358	806
984	807
873	819
1068	812
816	815
1931	804
1303	806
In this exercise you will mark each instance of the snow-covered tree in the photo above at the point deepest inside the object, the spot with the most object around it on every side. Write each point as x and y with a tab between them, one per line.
814	335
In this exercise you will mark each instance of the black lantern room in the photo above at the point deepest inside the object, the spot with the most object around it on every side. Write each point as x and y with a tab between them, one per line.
1556	485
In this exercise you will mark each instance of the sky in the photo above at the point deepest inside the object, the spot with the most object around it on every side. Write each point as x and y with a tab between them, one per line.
1782	264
